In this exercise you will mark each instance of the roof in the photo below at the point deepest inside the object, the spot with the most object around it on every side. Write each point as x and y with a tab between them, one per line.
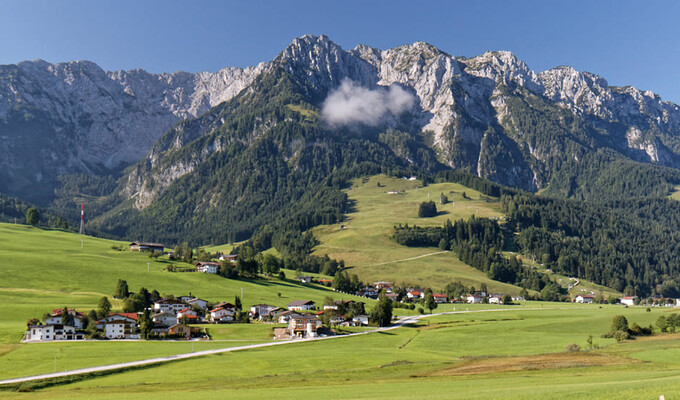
439	295
630	297
130	315
189	316
168	301
586	296
415	293
201	263
300	303
146	244
195	299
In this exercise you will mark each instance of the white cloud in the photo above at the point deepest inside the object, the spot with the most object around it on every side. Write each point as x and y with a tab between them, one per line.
350	104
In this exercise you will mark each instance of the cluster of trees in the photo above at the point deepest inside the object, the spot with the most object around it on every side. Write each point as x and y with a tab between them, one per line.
135	302
478	243
343	282
621	331
668	323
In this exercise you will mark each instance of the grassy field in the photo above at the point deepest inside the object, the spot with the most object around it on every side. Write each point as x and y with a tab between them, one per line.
364	239
516	353
46	269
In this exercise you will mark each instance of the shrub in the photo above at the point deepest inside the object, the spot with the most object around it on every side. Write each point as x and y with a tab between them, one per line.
572	348
427	209
621	335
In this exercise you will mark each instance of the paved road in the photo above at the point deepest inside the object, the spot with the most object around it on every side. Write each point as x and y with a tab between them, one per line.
401	322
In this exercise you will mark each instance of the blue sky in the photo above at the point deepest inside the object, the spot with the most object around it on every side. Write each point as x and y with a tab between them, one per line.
627	42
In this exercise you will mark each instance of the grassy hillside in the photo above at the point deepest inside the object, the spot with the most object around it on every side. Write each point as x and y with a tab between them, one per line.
365	241
517	353
47	269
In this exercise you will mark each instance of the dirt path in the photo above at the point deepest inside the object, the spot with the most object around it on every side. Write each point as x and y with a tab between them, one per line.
401	322
408	259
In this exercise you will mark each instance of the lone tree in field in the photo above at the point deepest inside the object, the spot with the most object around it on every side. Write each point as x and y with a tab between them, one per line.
32	216
122	291
104	308
427	209
381	315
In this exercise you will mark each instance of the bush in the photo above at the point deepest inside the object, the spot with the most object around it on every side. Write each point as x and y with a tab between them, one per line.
420	310
572	348
427	209
621	335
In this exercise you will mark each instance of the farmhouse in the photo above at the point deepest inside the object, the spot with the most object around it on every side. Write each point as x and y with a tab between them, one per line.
304	279
393	296
231	258
475	298
414	295
144	246
208	267
180	330
584	299
360	320
440	298
496	298
300	305
628	300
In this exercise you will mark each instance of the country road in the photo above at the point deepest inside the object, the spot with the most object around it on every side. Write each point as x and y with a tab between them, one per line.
408	259
401	322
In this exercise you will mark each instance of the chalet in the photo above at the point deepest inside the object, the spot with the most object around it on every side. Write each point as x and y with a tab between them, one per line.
186	311
164	318
208	267
129	317
360	320
496	298
301	305
224	304
475	298
120	328
185	299
628	300
259	310
46	333
170	305
304	279
222	314
584	299
518	298
144	246
180	330
414	295
440	298
304	325
382	285
284	316
56	318
200	303
232	258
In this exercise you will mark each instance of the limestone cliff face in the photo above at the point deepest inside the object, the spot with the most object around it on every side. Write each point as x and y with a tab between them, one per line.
76	117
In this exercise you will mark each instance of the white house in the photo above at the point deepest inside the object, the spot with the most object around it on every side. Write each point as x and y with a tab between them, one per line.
304	279
496	299
414	295
262	309
120	329
208	267
584	299
440	298
628	300
200	303
170	305
47	333
164	318
360	320
474	298
222	314
301	305
55	318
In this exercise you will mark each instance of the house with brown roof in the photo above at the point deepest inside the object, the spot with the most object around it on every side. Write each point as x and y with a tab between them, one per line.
146	246
208	267
301	305
304	325
56	318
173	306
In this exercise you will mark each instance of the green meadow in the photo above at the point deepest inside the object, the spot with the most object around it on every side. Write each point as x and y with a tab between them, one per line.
514	352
